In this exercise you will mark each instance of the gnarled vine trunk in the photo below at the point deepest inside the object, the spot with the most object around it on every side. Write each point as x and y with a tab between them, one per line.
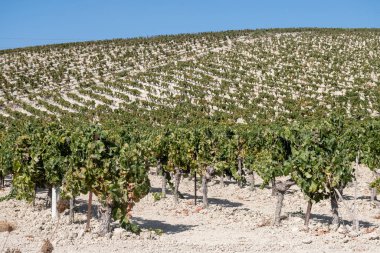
35	195
308	213
221	180
49	196
204	191
162	173
207	175
252	181
280	189
177	180
240	172
72	206
163	186
373	194
1	181
105	219
373	190
273	181
277	214
355	220
89	211
195	188
334	208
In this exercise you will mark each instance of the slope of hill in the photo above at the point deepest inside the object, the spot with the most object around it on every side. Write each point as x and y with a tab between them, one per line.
239	75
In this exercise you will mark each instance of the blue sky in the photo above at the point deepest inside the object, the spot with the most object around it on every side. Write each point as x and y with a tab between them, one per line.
37	22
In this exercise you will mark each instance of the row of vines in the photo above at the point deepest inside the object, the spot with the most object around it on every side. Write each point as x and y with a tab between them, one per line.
113	162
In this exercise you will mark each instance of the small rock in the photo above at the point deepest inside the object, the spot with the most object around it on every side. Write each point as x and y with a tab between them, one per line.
294	229
81	233
126	235
353	234
145	235
118	233
307	241
334	227
371	236
304	228
342	230
95	236
297	219
66	235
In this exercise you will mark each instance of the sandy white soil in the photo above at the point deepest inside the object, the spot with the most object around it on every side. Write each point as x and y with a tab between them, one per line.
237	220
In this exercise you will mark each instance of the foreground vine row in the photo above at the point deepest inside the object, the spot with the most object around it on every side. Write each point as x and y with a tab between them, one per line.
113	162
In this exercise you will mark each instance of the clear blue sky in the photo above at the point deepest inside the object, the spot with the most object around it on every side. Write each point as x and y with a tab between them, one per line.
36	22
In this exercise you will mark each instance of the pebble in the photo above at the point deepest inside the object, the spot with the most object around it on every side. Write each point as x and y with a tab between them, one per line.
81	233
371	236
342	230
297	219
307	241
353	234
294	229
334	227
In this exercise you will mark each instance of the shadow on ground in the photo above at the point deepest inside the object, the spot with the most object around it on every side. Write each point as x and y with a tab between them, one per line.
326	219
81	206
212	201
165	227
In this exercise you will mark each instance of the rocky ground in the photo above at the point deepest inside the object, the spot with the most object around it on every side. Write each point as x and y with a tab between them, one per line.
238	220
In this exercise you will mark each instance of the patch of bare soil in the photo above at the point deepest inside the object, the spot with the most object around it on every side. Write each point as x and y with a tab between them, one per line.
238	220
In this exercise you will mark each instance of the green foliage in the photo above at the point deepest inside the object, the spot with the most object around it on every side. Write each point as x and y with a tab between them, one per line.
134	228
269	152
85	159
7	140
376	184
28	165
322	156
10	195
157	231
117	176
368	134
157	196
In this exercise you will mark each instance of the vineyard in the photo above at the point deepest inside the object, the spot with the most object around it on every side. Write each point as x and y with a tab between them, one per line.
95	134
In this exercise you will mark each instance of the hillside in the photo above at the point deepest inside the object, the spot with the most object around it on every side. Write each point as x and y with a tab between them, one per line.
142	140
240	75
